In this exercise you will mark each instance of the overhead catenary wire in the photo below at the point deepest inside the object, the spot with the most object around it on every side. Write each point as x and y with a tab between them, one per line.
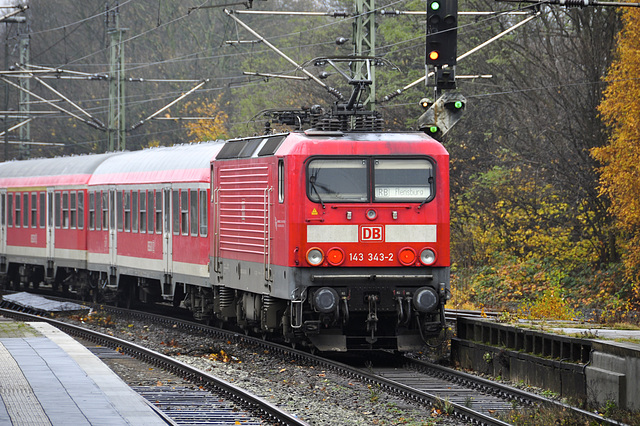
230	77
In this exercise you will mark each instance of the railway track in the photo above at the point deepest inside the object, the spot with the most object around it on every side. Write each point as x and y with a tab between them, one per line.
221	402
467	398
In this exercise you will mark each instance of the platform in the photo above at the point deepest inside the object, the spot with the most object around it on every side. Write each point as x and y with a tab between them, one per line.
41	304
48	378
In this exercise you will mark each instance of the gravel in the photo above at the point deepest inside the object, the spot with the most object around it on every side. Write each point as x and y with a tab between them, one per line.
317	396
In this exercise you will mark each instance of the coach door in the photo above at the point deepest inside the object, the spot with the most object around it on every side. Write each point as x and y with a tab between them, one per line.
113	228
51	228
167	238
3	222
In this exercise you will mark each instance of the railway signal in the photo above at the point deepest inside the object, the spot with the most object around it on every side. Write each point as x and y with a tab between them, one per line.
442	41
442	23
440	116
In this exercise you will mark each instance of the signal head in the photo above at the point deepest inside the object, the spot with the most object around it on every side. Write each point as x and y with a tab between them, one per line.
426	103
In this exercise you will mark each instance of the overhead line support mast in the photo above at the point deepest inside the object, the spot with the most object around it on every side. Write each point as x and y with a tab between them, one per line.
364	39
116	133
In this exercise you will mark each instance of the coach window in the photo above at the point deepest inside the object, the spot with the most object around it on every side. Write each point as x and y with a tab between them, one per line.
73	210
134	211
204	208
193	213
34	209
127	210
143	211
3	213
281	181
159	212
105	210
184	211
58	207
120	209
151	215
176	212
98	210
80	210
10	209
42	209
65	210
92	210
18	209
25	209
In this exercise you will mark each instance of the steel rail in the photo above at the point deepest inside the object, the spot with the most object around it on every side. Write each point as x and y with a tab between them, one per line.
248	400
470	381
499	389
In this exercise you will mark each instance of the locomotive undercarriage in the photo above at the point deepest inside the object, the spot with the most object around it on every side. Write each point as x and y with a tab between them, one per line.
338	312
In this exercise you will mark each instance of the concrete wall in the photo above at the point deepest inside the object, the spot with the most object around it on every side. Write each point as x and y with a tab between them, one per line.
614	374
596	371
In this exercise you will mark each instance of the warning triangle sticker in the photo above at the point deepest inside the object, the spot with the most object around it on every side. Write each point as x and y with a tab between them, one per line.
314	212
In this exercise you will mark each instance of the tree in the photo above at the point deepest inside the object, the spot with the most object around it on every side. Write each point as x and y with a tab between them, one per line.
620	158
211	122
542	118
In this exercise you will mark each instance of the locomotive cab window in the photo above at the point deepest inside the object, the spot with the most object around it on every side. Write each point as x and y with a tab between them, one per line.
392	180
281	181
337	180
406	180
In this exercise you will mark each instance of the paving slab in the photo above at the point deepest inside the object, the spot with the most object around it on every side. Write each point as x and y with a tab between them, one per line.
48	378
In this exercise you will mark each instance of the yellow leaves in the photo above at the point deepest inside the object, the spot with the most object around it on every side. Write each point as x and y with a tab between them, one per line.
620	159
551	305
211	121
222	356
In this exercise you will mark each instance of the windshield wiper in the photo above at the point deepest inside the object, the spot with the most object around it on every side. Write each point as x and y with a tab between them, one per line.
312	181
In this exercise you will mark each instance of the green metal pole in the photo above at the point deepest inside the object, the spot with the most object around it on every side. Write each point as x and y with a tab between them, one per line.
364	38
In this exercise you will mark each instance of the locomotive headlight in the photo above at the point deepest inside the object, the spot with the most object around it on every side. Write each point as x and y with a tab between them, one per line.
425	299
335	256
427	257
407	256
315	256
325	300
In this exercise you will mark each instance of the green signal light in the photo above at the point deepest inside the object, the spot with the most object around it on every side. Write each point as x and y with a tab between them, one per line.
435	5
433	129
457	105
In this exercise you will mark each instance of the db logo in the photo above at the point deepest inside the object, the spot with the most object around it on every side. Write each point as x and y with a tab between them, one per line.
371	233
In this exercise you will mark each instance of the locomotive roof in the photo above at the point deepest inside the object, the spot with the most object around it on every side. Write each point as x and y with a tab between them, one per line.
361	143
51	171
178	163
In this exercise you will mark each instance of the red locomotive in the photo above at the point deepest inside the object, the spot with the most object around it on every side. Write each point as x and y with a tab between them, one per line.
340	239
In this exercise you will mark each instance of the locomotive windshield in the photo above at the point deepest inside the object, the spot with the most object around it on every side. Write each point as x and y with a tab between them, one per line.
337	180
347	180
402	179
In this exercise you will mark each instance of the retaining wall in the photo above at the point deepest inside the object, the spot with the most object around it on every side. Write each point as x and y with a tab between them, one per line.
594	370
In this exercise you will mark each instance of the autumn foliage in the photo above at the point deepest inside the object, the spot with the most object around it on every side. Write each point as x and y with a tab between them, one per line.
620	172
210	121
